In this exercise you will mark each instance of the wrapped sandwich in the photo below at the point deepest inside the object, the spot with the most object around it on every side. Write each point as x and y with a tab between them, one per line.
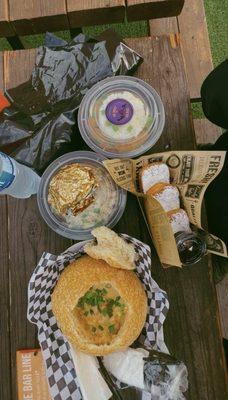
155	181
171	186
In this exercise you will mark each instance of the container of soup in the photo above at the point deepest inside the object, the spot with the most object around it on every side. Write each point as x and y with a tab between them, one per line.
77	194
121	117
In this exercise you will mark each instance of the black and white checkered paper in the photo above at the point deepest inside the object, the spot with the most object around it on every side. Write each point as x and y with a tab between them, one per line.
62	377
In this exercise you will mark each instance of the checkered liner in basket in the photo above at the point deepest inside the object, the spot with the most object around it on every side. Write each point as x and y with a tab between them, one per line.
62	377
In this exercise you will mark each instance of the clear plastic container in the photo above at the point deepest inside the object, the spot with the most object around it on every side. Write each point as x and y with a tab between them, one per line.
121	117
108	206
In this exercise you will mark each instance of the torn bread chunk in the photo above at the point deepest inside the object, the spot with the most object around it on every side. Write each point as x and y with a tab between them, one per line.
111	248
152	174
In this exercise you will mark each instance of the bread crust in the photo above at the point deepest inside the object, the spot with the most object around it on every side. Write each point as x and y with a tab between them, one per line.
111	248
157	188
76	280
156	164
93	253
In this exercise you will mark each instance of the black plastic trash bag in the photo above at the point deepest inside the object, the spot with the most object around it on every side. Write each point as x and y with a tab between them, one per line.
42	113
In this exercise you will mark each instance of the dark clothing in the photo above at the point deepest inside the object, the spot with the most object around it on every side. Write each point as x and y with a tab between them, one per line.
214	93
216	198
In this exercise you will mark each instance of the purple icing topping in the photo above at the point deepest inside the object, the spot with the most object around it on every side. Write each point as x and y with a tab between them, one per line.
119	111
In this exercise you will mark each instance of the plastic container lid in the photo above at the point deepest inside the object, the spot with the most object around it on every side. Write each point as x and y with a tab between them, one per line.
107	208
121	117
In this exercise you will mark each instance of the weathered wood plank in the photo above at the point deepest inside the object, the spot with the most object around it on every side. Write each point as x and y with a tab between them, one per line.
163	26
193	336
5	27
196	45
168	78
36	16
29	235
94	12
205	131
222	293
5	389
19	75
194	39
150	9
1	72
220	269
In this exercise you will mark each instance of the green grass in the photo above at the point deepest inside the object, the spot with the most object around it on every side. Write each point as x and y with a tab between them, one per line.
217	22
38	40
134	29
4	45
131	29
197	111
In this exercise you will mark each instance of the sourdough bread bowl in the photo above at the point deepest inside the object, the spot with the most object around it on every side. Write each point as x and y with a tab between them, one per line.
99	308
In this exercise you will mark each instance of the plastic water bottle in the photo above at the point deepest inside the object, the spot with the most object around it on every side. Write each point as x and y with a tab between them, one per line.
16	179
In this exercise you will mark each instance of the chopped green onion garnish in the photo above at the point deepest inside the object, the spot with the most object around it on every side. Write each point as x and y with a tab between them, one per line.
111	328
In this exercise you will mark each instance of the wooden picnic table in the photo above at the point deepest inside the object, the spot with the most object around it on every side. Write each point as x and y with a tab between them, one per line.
26	17
192	329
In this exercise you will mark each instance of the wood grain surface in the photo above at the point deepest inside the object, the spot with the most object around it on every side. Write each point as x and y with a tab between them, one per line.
94	12
196	45
222	293
163	26
192	329
192	25
5	354
149	9
5	26
5	367
29	235
205	131
163	68
36	16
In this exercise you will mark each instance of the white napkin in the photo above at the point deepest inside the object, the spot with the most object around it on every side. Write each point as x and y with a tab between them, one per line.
92	384
127	366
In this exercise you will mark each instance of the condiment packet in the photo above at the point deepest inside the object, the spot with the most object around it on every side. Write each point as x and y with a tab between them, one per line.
61	374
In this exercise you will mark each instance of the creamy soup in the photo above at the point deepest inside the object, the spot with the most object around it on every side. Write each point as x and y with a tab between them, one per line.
100	313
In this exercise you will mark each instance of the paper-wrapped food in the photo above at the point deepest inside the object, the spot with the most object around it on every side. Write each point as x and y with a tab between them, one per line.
159	374
172	186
